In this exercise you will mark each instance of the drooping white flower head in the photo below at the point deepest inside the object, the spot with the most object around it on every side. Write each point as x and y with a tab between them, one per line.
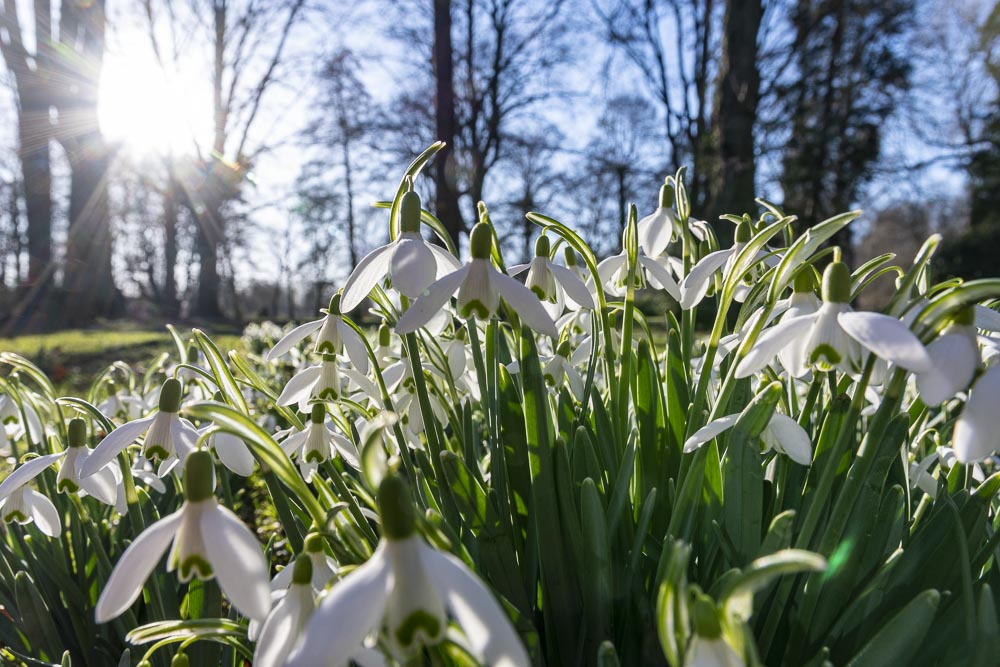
410	263
317	443
835	335
649	270
977	430
324	568
411	590
661	227
782	434
552	283
288	617
480	287
335	337
954	360
168	438
209	541
21	504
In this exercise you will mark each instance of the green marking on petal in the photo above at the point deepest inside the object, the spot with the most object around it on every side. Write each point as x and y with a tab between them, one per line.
155	453
67	486
416	626
477	308
195	565
824	355
16	515
325	347
314	457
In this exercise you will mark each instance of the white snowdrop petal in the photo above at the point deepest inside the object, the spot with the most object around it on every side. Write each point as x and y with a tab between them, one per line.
233	453
785	436
237	561
412	267
102	486
446	262
292	338
300	385
887	338
955	358
655	231
977	431
44	513
770	342
431	301
987	318
345	616
525	303
134	567
113	444
709	431
371	269
695	285
482	619
575	288
662	276
357	352
278	634
27	472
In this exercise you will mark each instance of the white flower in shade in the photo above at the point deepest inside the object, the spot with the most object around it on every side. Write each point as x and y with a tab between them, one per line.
833	336
317	443
324	568
335	336
782	434
954	359
209	541
977	430
410	263
550	281
557	369
708	646
410	590
123	404
168	438
480	288
281	630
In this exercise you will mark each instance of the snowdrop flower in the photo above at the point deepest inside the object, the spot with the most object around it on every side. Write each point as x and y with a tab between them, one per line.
316	443
168	439
21	504
410	262
314	383
695	285
661	227
16	425
613	272
232	452
409	589
833	336
802	302
323	567
977	430
954	359
479	287
288	618
782	434
556	369
209	541
103	485
122	404
335	336
550	281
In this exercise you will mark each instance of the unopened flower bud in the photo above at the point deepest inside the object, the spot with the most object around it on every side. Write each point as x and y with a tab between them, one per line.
180	660
744	231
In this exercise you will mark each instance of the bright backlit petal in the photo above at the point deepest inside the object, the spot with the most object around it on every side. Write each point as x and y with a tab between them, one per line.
770	342
233	453
237	560
709	431
430	302
135	566
955	358
887	338
355	347
575	288
300	385
446	262
784	435
101	485
525	303
372	268
345	616
292	338
661	275
695	285
656	231
412	267
281	630
482	619
113	444
27	472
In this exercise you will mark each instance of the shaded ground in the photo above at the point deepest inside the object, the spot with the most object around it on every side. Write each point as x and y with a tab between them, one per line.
73	357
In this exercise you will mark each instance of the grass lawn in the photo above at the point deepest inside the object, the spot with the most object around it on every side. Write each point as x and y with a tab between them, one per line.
73	357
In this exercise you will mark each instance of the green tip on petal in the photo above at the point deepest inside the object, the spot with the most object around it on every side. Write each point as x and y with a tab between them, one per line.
481	241
318	415
409	212
744	231
313	543
199	476
77	432
334	308
805	281
837	283
542	246
302	570
170	396
396	508
965	317
705	617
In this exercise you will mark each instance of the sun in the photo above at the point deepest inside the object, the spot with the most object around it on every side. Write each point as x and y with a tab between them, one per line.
149	109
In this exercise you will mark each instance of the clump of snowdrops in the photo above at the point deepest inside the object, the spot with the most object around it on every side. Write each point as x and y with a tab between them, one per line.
512	472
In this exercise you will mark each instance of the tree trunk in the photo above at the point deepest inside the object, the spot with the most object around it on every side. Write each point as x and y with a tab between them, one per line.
446	195
736	108
170	304
206	303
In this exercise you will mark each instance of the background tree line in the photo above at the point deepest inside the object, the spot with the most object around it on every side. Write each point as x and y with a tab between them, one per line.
574	107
